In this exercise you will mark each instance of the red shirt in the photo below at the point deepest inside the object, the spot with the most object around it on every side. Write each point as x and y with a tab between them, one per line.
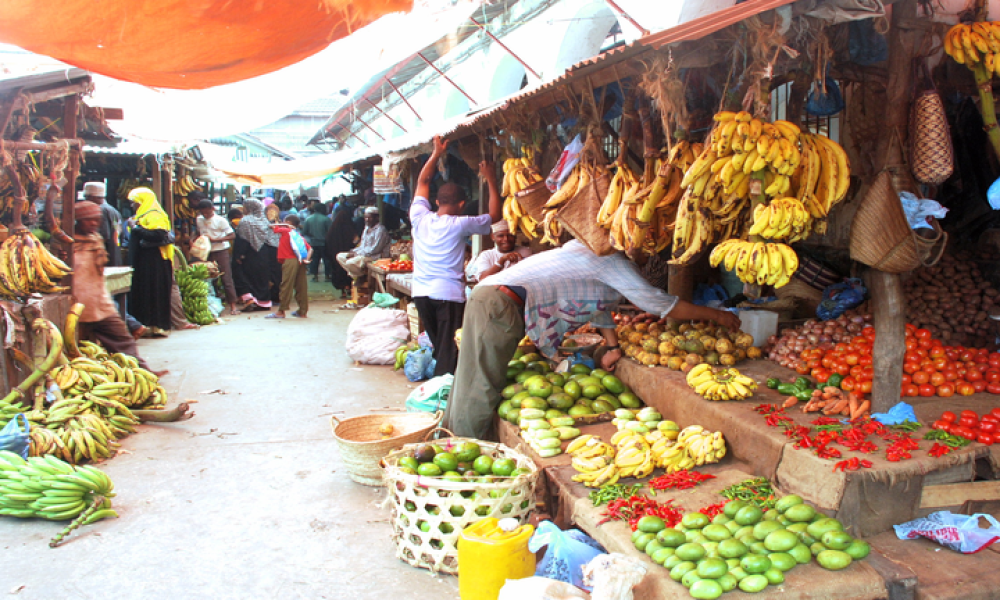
284	244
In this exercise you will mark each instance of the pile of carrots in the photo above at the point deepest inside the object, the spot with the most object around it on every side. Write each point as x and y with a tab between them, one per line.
833	401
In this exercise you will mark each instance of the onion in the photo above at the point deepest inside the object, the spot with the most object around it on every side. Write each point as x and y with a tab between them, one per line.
858	319
825	339
772	340
854	327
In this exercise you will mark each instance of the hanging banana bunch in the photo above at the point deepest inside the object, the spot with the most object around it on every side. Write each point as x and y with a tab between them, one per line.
30	178
975	43
184	185
518	175
805	174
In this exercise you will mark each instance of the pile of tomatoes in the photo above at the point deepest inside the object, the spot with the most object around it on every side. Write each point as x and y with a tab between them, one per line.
929	369
400	265
969	425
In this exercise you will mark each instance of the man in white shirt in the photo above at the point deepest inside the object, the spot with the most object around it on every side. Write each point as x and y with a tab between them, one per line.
503	254
439	254
218	231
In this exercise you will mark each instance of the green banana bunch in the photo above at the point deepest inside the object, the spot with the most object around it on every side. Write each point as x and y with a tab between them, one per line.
401	353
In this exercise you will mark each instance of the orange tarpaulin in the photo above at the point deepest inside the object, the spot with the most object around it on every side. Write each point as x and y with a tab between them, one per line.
184	44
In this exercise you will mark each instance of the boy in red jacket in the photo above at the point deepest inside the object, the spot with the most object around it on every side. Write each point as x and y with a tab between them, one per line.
294	253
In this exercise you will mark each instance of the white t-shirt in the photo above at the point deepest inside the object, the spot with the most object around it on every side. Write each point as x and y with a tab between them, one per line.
216	227
439	250
488	258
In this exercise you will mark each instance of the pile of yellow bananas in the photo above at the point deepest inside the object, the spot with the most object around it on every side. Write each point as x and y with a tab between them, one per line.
757	262
720	385
594	461
975	44
622	211
27	267
184	185
716	202
782	218
30	178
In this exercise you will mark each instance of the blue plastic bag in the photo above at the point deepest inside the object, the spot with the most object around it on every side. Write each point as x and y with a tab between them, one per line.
580	359
841	297
825	104
567	552
993	194
415	367
900	413
13	439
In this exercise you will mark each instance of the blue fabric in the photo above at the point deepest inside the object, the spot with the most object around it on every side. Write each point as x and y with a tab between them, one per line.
567	552
13	439
899	413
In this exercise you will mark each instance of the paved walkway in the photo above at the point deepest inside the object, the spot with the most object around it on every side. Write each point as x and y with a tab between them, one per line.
249	499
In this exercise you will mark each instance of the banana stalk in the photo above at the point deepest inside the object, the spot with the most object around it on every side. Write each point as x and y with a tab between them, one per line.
757	177
55	349
987	106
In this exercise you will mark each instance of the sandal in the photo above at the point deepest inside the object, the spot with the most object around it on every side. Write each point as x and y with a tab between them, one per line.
274	316
297	315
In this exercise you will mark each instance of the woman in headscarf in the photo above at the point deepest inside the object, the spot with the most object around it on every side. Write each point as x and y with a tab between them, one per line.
256	272
340	238
152	250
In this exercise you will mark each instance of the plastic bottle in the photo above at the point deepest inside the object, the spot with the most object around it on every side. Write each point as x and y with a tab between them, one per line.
489	553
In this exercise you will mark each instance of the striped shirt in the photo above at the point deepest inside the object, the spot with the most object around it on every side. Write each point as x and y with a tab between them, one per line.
571	286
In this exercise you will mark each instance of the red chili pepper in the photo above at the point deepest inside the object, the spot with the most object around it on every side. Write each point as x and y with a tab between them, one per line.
825	452
635	507
681	480
938	450
712	510
766	409
825	421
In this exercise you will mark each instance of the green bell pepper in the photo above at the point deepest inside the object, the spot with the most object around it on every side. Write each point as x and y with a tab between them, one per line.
835	380
773	383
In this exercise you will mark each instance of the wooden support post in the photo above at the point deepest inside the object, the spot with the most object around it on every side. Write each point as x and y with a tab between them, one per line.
69	190
680	282
888	302
167	199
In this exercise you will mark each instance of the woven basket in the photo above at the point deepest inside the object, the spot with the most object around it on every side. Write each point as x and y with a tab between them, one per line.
533	198
815	274
932	159
448	507
881	237
807	297
578	216
362	445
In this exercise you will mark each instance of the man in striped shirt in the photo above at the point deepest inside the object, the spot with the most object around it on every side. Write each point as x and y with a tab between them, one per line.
546	296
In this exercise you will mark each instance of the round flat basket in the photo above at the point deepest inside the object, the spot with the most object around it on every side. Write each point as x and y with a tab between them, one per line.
429	513
362	444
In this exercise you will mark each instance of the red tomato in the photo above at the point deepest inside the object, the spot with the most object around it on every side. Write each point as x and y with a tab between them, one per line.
937	379
856	371
992	376
981	359
820	375
801	367
982	367
911	390
950	374
987	426
968	414
842	368
936	352
979	386
986	439
911	367
994	359
966	355
951	355
990	417
961	372
848	384
948	417
852	358
866	360
946	390
941	425
865	386
827	362
965	432
922	334
927	390
907	379
910	329
993	388
813	363
921	377
965	389
927	365
973	375
911	344
970	422
925	344
995	411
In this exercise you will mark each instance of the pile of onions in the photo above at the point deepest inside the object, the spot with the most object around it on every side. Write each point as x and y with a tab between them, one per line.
786	348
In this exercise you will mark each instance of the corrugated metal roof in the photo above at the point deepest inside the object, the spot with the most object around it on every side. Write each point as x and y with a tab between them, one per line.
131	147
48	78
696	29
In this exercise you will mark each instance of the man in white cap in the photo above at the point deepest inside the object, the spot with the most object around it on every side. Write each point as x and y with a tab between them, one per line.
503	254
111	221
374	245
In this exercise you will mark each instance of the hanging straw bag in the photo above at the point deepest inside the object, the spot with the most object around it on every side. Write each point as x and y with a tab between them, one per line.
932	158
579	216
881	236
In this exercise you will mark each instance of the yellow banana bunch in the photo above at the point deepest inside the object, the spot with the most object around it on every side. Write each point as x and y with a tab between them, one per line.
720	384
757	262
27	267
783	218
594	461
826	176
974	44
519	174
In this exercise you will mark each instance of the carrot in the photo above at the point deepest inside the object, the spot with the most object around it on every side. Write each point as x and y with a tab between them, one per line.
854	402
790	402
862	409
835	407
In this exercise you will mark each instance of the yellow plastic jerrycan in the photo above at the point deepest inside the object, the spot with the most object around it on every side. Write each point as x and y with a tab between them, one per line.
491	552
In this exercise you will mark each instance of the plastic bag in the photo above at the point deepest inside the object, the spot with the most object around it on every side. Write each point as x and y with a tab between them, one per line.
568	551
200	247
825	104
918	209
866	45
841	297
539	588
416	365
382	300
961	533
567	160
432	395
993	194
13	439
613	576
375	333
899	413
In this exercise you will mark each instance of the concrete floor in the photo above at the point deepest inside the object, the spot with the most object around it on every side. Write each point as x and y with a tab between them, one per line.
249	499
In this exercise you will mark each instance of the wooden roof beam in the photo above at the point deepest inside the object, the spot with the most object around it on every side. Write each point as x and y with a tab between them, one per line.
504	46
396	89
384	114
446	78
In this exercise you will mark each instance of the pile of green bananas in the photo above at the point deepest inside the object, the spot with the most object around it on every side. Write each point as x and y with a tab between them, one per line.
194	294
48	488
401	354
91	411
